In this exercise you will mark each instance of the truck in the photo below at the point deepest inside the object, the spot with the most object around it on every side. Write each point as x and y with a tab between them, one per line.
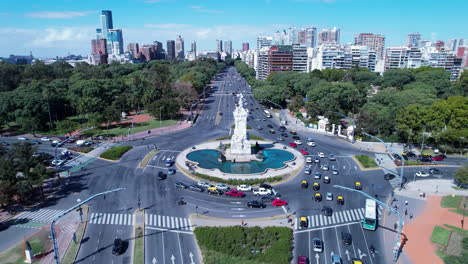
261	191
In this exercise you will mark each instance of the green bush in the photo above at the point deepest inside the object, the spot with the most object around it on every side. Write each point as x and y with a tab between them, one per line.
237	182
366	161
115	153
245	244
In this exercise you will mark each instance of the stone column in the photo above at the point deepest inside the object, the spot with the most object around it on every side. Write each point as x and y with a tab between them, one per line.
333	129
339	130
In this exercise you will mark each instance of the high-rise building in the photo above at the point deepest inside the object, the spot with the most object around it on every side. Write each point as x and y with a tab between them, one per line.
291	34
280	38
329	36
264	41
148	52
170	50
194	47
311	37
179	48
106	21
98	46
462	52
219	45
261	69
245	46
228	47
299	62
374	42
115	41
134	49
439	45
280	58
302	37
412	40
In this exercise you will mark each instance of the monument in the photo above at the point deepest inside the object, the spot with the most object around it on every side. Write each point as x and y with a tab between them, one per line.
240	144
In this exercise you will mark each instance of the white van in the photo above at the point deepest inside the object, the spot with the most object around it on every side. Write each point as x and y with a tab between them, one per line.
80	143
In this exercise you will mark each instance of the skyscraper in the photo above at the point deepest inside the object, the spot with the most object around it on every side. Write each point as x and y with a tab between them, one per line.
134	49
219	45
106	20
264	41
280	58
311	37
329	36
170	49
228	47
98	46
301	37
194	47
412	40
179	48
115	41
245	46
374	42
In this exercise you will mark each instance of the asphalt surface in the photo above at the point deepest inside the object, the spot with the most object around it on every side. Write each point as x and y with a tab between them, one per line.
169	233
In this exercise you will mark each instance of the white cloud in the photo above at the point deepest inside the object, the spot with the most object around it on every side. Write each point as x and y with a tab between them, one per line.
4	14
59	15
200	9
167	26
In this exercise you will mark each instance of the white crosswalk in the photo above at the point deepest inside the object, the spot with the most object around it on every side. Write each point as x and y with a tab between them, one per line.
170	222
338	217
111	219
40	216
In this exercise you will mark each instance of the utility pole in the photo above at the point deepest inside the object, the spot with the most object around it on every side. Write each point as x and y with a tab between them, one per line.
396	249
52	225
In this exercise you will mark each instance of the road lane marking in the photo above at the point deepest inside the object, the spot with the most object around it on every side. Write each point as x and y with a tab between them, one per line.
241	215
337	239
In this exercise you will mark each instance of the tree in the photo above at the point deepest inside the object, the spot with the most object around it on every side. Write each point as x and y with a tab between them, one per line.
166	108
397	78
461	175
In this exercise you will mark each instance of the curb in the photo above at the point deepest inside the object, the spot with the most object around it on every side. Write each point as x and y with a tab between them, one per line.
149	156
84	231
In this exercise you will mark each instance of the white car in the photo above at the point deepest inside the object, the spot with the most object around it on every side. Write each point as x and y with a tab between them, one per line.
204	184
55	141
422	174
222	187
244	188
298	142
22	138
261	191
321	154
45	139
309	159
311	143
329	196
325	167
58	162
335	172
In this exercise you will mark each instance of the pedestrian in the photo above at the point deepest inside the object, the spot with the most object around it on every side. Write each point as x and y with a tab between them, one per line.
411	216
406	202
406	211
395	226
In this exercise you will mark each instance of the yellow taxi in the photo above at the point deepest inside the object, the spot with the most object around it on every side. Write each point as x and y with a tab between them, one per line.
316	186
304	184
357	185
356	261
303	222
340	200
318	197
212	188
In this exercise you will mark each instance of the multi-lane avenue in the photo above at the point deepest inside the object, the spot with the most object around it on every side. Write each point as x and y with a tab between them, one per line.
169	234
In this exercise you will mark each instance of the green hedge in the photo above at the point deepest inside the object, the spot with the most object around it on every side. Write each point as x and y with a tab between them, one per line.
366	161
237	182
223	138
115	153
234	244
248	126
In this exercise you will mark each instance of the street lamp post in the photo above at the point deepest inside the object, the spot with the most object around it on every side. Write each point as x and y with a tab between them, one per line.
160	116
52	225
391	149
400	218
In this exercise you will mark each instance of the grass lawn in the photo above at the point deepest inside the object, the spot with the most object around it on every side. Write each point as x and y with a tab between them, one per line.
123	129
366	161
254	137
115	153
252	245
440	236
40	243
223	138
138	248
460	211
450	259
413	162
450	202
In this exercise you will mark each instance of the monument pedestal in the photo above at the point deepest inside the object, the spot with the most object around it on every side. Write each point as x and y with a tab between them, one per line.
240	157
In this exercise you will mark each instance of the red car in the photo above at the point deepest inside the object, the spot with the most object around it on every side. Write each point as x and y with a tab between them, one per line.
304	151
438	158
302	260
278	202
235	193
292	144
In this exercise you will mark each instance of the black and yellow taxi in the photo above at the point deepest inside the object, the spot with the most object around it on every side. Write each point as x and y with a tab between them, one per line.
304	184
316	186
303	222
317	197
340	200
357	185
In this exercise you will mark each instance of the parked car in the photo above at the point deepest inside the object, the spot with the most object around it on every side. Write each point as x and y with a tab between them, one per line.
438	158
57	162
215	191
256	204
280	138
181	185
119	247
266	186
37	142
293	132
261	191
282	128
195	188
235	193
272	131
259	127
270	126
204	184
279	202
244	188
410	154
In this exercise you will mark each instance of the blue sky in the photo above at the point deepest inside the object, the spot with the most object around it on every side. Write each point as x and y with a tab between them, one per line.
58	27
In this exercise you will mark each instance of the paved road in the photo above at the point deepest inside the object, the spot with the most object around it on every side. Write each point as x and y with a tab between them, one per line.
168	228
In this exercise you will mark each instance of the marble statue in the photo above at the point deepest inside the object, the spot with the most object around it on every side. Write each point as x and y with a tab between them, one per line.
240	144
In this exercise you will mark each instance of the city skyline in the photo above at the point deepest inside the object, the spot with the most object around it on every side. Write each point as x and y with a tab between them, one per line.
49	29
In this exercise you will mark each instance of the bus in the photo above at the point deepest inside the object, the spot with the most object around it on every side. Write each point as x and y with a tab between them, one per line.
370	218
267	113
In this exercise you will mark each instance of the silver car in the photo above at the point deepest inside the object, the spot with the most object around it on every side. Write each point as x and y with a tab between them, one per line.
329	196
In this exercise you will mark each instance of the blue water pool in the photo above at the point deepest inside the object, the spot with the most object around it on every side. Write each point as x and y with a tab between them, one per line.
273	159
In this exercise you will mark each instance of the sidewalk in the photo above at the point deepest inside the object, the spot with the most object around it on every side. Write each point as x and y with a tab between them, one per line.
144	134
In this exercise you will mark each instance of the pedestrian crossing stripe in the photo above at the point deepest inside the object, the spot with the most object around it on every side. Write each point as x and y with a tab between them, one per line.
337	217
111	219
40	216
171	222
